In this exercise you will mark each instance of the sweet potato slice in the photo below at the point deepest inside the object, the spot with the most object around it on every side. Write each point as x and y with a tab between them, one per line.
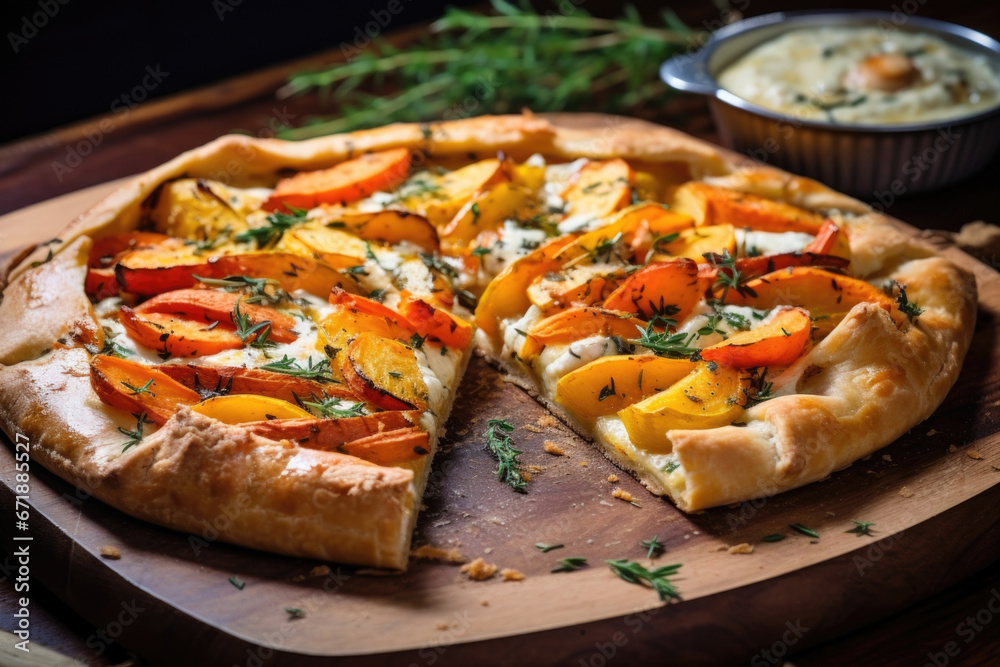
101	284
384	438
599	189
777	343
825	295
390	225
206	307
488	210
106	250
149	272
345	322
242	408
439	198
753	267
694	243
707	397
331	246
669	289
138	388
384	373
713	205
578	323
343	183
635	227
210	381
435	323
609	384
830	240
582	285
506	295
172	335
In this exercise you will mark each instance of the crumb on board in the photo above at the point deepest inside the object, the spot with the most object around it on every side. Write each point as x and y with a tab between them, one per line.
428	552
527	476
479	570
319	571
111	553
510	574
485	603
931	432
547	421
442	626
743	548
974	454
952	448
532	428
612	478
887	457
553	448
905	492
488	550
584	464
622	494
533	468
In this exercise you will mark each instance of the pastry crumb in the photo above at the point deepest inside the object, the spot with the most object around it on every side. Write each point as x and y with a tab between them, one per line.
319	571
744	548
488	550
428	552
442	626
584	464
931	432
612	478
509	574
553	448
479	570
532	428
721	547
905	492
887	457
111	553
485	603
622	494
952	448
974	454
547	421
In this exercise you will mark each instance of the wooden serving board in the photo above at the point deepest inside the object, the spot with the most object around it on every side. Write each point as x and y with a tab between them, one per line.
169	598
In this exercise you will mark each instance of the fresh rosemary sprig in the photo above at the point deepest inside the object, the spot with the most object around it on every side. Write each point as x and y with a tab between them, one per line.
144	389
516	58
498	442
330	408
634	573
135	436
728	276
664	343
277	224
653	545
111	348
861	528
258	334
319	371
545	548
805	530
569	564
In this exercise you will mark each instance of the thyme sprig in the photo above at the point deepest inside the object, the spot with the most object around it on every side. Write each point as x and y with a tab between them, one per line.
664	343
514	58
653	545
861	528
134	436
110	348
634	573
569	564
277	224
499	443
265	291
257	334
319	371
329	407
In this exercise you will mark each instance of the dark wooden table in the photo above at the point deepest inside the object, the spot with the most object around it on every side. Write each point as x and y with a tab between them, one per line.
41	167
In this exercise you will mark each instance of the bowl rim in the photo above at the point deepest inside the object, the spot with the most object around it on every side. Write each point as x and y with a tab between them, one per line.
710	86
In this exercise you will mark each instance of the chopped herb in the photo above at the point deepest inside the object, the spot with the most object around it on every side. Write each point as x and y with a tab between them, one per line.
329	408
144	389
134	437
435	263
48	258
728	276
653	545
259	332
395	374
661	241
569	564
670	467
236	581
519	332
607	391
758	390
665	344
417	341
481	252
319	371
634	573
907	307
602	251
861	528
256	289
798	527
294	612
776	537
357	270
498	442
277	224
377	295
545	548
475	212
206	244
111	348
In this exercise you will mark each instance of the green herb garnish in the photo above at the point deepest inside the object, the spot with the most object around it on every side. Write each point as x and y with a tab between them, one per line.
258	334
319	371
135	436
653	545
330	408
861	528
799	528
498	442
776	537
634	573
545	548
569	564
236	581
277	224
144	389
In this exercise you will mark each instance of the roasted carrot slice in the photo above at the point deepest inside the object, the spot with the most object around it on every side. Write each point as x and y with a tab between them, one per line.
825	295
343	183
101	283
600	188
830	240
391	447
435	323
384	373
576	324
777	343
339	297
206	307
138	388
391	226
148	272
105	251
753	267
668	289
713	205
171	335
210	381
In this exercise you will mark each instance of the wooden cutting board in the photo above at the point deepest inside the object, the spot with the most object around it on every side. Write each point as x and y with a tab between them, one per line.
169	599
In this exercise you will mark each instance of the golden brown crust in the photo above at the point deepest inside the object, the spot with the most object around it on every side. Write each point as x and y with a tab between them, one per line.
334	507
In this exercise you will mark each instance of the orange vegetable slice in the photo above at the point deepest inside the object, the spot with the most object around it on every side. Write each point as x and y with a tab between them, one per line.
138	388
777	343
435	323
578	323
669	289
713	205
384	373
599	189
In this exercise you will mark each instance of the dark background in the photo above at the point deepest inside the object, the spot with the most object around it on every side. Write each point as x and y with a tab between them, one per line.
91	52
